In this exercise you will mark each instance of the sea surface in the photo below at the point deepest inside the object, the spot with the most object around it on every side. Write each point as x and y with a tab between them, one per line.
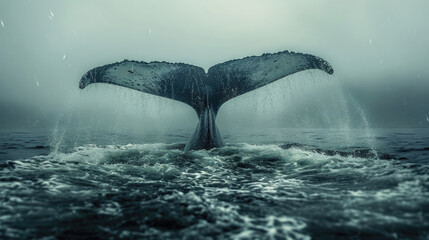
265	184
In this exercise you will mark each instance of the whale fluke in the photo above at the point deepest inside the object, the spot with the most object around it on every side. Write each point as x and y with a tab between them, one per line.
177	81
233	78
204	92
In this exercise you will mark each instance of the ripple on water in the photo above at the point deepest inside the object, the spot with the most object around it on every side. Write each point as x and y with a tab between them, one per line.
237	192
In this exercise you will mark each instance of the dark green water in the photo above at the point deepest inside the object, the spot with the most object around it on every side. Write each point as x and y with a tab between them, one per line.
266	184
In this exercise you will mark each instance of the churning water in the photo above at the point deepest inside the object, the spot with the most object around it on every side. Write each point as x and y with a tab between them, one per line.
281	184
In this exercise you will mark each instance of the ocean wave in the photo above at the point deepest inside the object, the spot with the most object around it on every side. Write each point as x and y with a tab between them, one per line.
240	191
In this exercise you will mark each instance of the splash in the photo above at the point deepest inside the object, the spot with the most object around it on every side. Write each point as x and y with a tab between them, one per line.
236	192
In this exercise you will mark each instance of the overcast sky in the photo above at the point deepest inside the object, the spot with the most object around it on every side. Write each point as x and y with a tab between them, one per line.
378	49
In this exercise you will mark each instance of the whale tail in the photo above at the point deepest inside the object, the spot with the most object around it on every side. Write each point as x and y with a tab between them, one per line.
204	92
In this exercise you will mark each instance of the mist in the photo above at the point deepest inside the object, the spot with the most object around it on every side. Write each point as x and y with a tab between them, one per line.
378	51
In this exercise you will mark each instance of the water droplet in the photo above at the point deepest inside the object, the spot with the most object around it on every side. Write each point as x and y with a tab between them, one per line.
51	15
